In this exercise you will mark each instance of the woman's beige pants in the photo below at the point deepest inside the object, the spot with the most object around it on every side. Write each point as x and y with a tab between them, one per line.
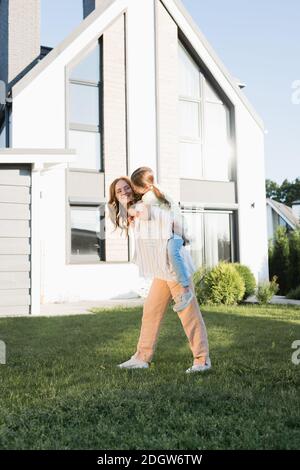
155	306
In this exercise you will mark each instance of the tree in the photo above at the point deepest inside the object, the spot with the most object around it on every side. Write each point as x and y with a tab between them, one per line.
286	193
294	259
272	189
279	261
290	191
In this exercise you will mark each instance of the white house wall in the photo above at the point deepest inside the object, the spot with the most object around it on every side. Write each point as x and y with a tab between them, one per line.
141	84
61	281
253	234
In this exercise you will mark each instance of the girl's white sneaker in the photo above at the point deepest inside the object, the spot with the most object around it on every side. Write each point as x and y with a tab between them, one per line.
183	301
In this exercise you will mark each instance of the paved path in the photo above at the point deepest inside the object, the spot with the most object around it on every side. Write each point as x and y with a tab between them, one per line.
276	299
83	307
79	308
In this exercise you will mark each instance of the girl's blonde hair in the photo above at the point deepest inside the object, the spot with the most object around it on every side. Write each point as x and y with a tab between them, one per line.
143	177
117	212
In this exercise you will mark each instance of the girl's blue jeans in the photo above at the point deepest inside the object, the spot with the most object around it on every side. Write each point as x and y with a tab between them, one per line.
174	245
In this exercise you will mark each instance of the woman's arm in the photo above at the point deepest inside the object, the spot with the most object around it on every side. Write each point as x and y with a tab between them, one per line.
140	210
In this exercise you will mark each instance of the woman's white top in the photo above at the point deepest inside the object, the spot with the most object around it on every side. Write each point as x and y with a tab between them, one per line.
150	245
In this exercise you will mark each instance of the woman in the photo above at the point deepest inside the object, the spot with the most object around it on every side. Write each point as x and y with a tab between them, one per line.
164	285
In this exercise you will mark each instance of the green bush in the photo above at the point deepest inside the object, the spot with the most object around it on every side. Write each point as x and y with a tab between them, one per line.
266	290
294	294
279	260
294	259
198	279
220	285
248	277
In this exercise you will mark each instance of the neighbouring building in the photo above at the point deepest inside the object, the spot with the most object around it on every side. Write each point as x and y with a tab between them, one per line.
279	214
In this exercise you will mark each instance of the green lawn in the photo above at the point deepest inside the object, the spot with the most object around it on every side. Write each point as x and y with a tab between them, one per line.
61	389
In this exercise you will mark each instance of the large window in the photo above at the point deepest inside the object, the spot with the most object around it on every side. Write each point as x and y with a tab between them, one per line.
205	142
85	111
211	234
87	233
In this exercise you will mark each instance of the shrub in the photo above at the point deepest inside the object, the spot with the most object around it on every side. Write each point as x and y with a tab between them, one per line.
221	285
266	290
248	277
294	294
280	257
294	259
198	279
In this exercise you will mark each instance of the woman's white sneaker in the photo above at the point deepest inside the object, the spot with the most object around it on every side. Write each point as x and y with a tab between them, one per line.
134	363
199	367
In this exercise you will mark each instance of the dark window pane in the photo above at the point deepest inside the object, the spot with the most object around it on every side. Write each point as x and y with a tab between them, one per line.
2	132
87	231
217	238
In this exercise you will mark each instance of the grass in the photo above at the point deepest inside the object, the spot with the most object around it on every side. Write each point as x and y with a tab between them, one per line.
61	389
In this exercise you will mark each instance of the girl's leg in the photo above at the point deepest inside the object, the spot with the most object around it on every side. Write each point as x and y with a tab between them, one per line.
193	325
174	245
155	307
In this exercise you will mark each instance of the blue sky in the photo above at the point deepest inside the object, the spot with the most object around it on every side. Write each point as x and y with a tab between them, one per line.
257	40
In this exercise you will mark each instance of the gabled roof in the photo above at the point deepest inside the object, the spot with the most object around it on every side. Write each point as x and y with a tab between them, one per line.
172	6
285	212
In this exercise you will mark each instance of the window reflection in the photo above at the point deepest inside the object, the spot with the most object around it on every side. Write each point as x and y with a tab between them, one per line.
89	68
210	237
87	231
84	104
85	110
204	120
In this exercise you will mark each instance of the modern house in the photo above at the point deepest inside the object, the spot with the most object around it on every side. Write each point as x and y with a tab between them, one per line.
279	214
135	84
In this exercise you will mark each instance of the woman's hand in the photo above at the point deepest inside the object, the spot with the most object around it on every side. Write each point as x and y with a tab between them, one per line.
132	212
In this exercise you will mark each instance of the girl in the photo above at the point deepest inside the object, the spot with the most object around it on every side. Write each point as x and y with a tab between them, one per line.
143	183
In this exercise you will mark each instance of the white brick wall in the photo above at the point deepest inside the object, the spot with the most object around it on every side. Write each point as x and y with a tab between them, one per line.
167	101
114	126
20	36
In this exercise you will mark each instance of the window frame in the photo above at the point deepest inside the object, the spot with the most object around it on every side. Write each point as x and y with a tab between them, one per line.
232	230
88	259
203	76
85	127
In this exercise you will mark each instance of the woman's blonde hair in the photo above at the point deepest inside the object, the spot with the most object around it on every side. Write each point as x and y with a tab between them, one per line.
117	212
143	177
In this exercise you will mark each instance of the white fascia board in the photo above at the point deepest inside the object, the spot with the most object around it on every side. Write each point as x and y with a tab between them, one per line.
207	54
209	205
37	156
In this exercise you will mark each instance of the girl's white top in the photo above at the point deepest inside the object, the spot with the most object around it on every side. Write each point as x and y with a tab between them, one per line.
151	242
